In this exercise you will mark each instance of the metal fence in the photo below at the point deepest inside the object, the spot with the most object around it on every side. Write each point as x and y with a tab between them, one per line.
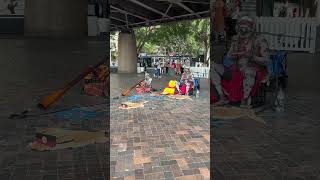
291	34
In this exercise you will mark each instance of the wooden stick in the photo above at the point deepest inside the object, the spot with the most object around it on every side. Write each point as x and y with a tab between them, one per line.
127	92
57	94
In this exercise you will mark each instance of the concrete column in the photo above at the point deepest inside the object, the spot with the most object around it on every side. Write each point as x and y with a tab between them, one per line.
56	18
127	53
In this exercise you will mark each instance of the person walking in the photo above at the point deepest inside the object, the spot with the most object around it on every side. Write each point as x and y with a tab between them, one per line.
155	69
178	68
183	66
159	69
162	67
167	67
173	68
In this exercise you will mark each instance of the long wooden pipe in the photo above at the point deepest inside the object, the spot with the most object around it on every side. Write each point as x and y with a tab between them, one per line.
127	92
54	96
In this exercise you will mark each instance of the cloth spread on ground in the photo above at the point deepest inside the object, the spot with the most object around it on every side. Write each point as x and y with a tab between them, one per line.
234	113
132	105
152	96
134	97
64	139
76	114
179	97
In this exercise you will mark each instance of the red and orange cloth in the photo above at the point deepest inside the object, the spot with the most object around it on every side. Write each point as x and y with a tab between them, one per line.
234	87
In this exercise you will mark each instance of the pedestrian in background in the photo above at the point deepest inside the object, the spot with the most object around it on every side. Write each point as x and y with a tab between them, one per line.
159	69
167	67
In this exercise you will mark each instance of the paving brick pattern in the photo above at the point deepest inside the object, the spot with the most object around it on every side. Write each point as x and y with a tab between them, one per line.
287	148
30	69
156	142
159	141
145	144
284	149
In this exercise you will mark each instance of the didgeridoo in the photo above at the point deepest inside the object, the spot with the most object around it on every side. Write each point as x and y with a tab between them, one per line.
54	96
127	92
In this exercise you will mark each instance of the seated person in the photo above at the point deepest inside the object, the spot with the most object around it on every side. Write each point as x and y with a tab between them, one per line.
145	86
147	80
248	53
186	80
219	73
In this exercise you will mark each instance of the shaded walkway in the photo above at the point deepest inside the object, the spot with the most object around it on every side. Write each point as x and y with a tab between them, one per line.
287	148
30	69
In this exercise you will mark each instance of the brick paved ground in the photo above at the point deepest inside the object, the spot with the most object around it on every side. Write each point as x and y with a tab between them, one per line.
30	69
287	148
161	140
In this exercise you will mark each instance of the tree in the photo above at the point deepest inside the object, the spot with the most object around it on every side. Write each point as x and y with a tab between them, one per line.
201	29
187	37
113	46
143	35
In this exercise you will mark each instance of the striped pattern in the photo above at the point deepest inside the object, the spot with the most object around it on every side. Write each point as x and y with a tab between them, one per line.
249	7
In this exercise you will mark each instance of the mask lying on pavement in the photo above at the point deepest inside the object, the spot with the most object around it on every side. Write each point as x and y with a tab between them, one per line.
132	105
55	138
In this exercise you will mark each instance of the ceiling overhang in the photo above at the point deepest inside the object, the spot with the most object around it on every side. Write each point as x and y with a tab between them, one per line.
128	14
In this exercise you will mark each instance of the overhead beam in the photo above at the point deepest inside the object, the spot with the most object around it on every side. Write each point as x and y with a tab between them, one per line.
170	18
196	2
187	8
126	12
127	22
167	10
116	26
148	7
118	19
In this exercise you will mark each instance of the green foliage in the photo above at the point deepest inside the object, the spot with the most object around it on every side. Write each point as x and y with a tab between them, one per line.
188	37
114	56
113	48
